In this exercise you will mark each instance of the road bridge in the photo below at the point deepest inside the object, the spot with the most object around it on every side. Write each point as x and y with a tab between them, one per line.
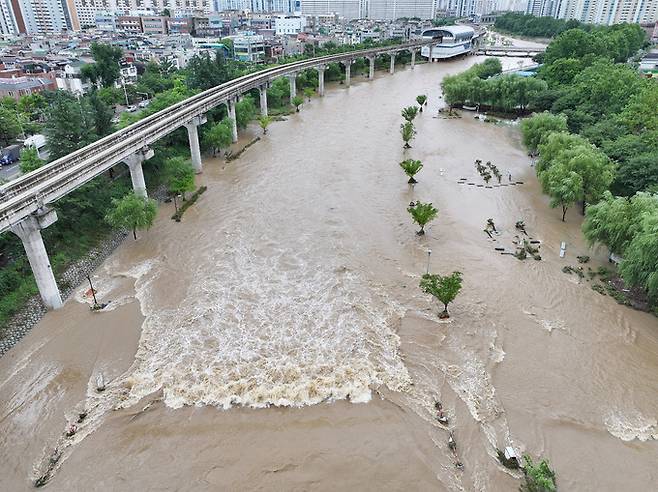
24	208
512	51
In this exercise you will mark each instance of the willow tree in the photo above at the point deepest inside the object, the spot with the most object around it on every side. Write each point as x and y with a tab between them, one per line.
408	132
565	187
297	101
409	113
422	101
179	176
444	288
411	168
132	212
422	214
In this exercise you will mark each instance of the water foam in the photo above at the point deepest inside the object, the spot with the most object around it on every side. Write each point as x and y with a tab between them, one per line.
631	425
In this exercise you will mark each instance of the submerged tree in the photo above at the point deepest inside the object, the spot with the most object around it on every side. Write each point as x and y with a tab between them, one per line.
408	132
179	176
309	92
422	214
264	122
422	101
219	136
411	168
409	113
444	288
297	101
132	212
538	476
565	187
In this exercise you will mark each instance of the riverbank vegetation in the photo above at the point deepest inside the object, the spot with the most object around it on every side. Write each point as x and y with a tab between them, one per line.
596	137
531	26
444	288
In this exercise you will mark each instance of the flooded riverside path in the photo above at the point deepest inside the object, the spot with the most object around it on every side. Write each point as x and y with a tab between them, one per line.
293	281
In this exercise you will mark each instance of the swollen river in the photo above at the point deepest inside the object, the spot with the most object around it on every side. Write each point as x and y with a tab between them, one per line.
276	338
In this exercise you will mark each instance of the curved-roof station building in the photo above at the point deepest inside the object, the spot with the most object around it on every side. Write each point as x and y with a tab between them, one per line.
451	41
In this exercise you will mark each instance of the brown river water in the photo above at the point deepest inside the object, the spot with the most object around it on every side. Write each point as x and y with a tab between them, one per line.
276	338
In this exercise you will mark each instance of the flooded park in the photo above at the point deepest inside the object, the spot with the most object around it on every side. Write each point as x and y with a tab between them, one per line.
276	338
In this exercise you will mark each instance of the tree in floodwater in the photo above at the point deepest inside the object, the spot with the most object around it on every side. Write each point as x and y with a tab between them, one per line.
422	214
565	187
408	132
297	101
539	126
411	167
219	136
179	176
409	113
309	92
264	122
422	101
444	288
538	476
132	212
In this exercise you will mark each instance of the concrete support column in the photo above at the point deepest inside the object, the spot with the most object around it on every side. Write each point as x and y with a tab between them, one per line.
29	231
193	136
348	72
371	74
134	163
431	53
231	114
293	85
263	99
413	59
321	69
392	69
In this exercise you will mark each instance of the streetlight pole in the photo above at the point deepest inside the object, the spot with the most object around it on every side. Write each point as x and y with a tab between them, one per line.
429	253
93	292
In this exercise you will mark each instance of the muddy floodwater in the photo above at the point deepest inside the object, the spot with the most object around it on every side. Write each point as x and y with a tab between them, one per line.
276	338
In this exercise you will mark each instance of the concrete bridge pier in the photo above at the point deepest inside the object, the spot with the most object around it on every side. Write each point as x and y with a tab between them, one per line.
392	68
193	135
321	70
413	59
431	60
29	232
348	72
371	73
293	85
263	99
134	163
230	104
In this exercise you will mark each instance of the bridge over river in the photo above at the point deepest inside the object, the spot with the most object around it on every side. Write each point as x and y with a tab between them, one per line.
24	209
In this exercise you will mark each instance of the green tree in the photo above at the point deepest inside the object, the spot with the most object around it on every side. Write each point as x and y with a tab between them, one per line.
409	113
10	126
245	111
638	173
615	221
179	176
408	132
539	126
69	126
565	187
264	122
422	214
444	288
132	212
220	135
538	476
102	115
309	92
640	264
106	68
297	101
422	101
29	160
411	167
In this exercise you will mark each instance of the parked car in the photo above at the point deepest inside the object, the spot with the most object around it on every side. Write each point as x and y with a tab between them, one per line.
10	154
144	103
132	108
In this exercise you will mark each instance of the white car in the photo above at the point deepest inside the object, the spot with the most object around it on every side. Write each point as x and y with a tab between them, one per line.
144	103
131	108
